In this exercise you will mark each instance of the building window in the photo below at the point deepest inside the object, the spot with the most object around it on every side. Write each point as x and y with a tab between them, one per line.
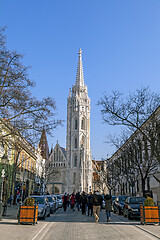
83	124
75	142
75	160
74	178
54	156
76	125
26	163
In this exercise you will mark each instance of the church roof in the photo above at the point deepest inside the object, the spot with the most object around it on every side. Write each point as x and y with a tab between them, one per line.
63	150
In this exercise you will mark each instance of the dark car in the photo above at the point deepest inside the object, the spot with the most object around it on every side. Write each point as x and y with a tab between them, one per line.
43	206
119	203
131	207
51	202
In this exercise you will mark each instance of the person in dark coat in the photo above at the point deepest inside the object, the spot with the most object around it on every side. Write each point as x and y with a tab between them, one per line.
108	206
89	204
83	201
65	201
97	202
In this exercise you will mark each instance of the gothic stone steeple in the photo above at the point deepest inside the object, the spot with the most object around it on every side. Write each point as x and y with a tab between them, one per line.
78	135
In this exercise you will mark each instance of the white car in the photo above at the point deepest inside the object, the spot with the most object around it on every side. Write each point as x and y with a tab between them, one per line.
60	201
56	199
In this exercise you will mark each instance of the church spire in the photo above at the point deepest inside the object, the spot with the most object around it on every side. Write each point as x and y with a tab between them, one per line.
79	78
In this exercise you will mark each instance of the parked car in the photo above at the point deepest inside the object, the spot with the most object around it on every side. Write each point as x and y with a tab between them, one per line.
60	201
119	203
43	206
131	207
52	203
56	200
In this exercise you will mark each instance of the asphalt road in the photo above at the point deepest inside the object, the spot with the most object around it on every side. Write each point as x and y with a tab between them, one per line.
75	226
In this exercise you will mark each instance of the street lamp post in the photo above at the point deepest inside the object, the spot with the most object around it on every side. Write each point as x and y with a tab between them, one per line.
1	195
4	162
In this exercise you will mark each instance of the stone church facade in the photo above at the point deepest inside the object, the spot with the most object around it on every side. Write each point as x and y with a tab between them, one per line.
77	172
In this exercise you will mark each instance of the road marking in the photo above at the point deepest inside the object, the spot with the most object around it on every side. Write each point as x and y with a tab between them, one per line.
39	231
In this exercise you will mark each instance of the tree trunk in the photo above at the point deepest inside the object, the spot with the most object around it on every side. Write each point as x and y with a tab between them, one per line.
143	186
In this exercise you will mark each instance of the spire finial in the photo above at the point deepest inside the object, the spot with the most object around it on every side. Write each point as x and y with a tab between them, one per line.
79	78
80	52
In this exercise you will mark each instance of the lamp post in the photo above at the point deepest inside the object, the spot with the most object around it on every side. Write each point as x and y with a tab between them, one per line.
4	162
1	195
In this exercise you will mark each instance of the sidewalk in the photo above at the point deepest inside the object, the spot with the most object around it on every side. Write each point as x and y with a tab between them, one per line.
11	213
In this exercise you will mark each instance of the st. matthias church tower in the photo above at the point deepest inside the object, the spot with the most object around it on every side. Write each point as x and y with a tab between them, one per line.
79	165
71	168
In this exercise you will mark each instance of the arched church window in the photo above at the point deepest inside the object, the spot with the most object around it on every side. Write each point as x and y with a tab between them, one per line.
54	156
83	124
74	178
75	160
75	142
76	125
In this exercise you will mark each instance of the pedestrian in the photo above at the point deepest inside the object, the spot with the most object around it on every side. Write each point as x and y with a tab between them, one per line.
78	200
108	206
72	198
149	200
83	201
10	200
89	204
17	196
65	201
96	201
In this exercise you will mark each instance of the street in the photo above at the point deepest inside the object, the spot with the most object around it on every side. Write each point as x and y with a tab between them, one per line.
73	226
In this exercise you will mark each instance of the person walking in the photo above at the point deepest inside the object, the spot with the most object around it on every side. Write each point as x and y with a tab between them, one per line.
78	200
65	201
108	206
89	204
83	201
96	201
149	200
72	198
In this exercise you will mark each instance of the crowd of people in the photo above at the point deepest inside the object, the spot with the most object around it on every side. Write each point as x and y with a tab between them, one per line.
88	203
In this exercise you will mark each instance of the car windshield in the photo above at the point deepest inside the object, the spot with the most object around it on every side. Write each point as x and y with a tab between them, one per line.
50	199
39	200
136	200
122	199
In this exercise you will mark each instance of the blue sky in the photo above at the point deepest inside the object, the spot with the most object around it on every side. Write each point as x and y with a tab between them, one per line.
120	40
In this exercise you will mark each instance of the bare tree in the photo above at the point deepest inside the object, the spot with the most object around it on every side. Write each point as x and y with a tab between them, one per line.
132	112
22	114
18	107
